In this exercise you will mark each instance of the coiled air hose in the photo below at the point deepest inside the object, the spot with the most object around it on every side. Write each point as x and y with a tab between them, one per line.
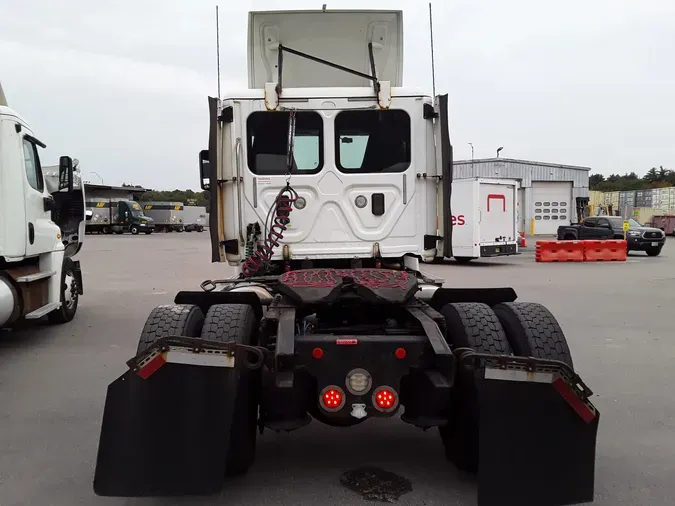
276	223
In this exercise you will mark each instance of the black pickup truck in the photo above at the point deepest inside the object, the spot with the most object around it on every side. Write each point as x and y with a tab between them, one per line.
638	237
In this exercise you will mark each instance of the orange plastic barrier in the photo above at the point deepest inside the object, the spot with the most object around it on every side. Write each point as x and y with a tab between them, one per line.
559	251
605	251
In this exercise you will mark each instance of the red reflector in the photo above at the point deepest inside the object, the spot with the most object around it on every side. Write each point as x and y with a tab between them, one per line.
332	398
586	414
385	398
347	341
317	353
400	353
151	367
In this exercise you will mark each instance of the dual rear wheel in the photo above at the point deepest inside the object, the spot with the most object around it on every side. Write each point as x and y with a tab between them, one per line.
222	323
512	328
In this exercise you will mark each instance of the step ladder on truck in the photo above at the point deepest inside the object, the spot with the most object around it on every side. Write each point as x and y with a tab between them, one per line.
42	222
326	178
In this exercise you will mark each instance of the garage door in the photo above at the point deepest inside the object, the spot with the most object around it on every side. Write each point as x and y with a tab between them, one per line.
551	206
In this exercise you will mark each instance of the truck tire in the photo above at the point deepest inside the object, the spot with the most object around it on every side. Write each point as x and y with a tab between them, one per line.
653	252
170	320
533	331
236	322
133	229
106	230
69	295
473	325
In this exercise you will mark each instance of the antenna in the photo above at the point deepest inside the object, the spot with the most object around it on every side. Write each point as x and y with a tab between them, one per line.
431	35
218	48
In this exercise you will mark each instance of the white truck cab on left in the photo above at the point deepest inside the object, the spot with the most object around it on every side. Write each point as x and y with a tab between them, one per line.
42	219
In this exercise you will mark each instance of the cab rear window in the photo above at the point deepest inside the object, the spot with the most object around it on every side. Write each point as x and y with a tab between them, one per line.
372	141
267	143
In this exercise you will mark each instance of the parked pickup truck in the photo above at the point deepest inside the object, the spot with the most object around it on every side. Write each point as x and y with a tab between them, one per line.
638	237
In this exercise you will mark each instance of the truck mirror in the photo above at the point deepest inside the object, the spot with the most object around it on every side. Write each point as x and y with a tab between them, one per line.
204	169
66	173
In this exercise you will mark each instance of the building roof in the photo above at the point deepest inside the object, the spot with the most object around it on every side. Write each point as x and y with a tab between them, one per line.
523	162
131	189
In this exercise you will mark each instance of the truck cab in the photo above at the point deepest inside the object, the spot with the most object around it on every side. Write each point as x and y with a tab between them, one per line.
42	217
131	218
365	165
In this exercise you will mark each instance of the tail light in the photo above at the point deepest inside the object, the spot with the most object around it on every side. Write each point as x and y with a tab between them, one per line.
332	398
385	399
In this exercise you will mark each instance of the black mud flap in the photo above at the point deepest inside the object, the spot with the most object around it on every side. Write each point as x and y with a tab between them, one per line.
536	445
166	435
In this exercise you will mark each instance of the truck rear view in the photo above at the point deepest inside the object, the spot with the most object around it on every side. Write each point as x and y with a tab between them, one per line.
329	318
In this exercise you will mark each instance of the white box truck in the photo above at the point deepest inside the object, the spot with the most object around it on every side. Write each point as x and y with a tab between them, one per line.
484	218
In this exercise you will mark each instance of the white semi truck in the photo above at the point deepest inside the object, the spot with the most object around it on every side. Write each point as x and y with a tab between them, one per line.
329	184
42	222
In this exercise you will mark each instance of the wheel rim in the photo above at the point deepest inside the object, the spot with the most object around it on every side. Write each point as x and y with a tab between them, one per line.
70	294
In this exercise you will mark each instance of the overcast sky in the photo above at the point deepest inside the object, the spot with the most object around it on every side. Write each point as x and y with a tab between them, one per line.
123	85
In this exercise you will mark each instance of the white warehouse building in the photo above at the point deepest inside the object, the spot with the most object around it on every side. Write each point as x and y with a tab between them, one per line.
547	191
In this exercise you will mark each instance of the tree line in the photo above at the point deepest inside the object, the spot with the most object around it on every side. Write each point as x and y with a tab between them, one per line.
654	178
187	197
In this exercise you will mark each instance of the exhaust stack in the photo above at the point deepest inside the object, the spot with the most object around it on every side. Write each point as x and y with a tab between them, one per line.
3	99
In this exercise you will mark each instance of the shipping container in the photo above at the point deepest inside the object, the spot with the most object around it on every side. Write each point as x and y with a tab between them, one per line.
612	198
596	199
644	214
665	223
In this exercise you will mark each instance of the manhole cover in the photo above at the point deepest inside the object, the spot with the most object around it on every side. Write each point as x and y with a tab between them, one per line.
375	484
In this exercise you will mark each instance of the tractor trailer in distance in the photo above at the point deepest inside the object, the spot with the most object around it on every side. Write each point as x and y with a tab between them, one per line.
42	220
331	185
110	215
167	216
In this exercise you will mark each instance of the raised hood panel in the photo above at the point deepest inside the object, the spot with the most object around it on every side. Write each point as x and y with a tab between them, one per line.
338	36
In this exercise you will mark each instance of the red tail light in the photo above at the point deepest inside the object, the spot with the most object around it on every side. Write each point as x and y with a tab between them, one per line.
385	399
332	398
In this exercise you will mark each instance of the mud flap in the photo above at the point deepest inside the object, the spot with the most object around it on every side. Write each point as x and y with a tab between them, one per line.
536	444
166	435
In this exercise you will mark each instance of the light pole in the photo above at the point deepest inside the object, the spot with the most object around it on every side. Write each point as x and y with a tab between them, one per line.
471	144
498	150
97	175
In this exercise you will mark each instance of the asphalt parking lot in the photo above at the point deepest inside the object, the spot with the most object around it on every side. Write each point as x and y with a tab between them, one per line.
617	318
